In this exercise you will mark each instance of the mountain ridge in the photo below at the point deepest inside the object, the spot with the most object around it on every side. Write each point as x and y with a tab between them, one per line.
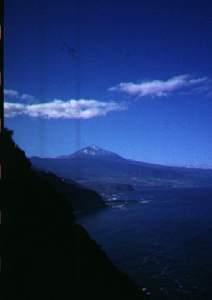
99	164
92	151
96	151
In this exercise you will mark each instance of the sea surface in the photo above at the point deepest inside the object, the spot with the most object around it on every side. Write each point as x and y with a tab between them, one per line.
161	238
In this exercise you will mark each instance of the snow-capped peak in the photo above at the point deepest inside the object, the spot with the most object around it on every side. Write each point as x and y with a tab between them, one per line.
94	150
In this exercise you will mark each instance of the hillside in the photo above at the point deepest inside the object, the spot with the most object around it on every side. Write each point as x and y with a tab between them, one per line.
80	198
46	255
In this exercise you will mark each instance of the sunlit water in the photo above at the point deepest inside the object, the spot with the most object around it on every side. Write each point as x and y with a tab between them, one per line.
163	241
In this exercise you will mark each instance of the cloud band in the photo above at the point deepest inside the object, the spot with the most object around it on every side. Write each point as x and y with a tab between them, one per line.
158	88
59	109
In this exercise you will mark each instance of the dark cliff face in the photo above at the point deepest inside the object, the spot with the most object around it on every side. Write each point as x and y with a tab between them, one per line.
46	255
80	197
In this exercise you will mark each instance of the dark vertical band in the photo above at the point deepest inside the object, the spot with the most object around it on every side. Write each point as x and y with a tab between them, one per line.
1	76
1	65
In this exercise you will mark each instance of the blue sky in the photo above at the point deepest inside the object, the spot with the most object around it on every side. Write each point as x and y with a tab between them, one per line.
134	77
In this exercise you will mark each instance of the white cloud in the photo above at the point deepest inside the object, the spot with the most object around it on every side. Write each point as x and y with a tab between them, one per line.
13	109
158	88
27	97
13	94
59	109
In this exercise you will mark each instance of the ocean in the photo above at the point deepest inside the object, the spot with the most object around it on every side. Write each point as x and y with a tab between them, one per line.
161	238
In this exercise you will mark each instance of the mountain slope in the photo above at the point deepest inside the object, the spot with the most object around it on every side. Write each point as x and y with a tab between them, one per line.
92	151
91	165
46	255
